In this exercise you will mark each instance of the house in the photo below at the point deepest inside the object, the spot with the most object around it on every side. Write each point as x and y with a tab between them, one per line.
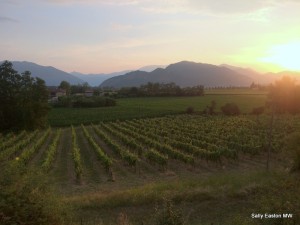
89	93
55	92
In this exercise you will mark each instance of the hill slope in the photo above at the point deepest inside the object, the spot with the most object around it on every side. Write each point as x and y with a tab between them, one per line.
49	74
262	78
97	79
183	74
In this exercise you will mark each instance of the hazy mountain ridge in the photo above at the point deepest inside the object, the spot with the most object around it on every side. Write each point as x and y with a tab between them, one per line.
97	79
262	78
187	73
183	74
49	74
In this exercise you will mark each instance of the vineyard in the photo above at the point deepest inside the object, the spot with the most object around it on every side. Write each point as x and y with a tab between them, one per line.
117	151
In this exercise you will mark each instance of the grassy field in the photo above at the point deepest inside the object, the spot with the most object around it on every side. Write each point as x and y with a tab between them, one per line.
235	91
150	107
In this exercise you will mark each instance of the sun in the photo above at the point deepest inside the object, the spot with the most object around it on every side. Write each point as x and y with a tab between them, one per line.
285	55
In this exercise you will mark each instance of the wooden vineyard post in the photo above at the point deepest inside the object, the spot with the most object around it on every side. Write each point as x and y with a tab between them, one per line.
137	168
111	175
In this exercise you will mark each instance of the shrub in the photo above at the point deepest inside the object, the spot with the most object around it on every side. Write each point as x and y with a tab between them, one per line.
63	101
190	110
281	197
84	102
27	199
110	102
292	146
168	215
230	109
123	219
258	111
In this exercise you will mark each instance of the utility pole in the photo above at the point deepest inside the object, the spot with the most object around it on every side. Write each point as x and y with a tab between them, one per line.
270	136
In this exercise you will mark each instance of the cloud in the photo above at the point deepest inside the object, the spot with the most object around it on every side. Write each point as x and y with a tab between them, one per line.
8	19
214	7
163	6
121	27
10	2
106	2
178	6
230	6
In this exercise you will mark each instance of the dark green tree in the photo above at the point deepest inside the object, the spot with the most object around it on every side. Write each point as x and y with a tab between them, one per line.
212	107
65	86
230	109
23	99
284	96
79	88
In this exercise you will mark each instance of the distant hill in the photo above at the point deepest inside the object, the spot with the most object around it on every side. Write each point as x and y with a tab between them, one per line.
49	74
150	68
257	77
97	79
183	74
262	78
277	76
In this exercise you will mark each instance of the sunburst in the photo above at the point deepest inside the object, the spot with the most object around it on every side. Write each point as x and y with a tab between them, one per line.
285	55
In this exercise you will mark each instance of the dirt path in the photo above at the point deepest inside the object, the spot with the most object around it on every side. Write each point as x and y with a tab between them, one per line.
93	170
63	168
39	157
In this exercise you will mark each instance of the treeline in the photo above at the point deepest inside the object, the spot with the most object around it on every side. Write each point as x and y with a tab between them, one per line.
23	99
160	90
283	97
83	102
74	89
76	97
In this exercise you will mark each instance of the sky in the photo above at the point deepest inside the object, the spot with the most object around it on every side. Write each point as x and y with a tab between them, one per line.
103	36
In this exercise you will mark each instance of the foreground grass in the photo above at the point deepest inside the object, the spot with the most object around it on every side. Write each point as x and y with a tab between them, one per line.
180	190
150	107
223	198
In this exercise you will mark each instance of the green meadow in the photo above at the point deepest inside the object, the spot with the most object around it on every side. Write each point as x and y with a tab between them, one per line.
129	108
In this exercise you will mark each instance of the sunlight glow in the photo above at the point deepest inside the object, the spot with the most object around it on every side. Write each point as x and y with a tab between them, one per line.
285	55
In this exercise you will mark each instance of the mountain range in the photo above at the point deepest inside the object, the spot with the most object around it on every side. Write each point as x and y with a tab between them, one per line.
97	79
49	74
183	73
187	73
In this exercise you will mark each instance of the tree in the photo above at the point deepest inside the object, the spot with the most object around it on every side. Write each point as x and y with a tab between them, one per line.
230	109
9	86
190	110
212	107
258	111
292	147
79	88
284	96
23	99
65	86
